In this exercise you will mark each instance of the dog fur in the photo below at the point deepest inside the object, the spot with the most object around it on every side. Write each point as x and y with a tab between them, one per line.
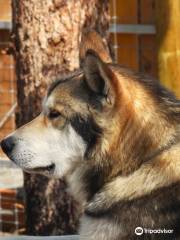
114	135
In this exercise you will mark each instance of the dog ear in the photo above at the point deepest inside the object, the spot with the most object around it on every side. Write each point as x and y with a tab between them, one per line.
92	40
98	76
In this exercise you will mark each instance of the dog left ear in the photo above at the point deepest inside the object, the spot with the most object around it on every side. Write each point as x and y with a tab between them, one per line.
98	75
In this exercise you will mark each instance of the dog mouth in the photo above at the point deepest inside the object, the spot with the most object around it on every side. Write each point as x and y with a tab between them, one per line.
45	169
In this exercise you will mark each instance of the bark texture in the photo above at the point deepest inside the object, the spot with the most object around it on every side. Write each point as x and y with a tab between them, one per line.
46	36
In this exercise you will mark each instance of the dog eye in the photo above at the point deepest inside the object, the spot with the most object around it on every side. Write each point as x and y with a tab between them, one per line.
54	114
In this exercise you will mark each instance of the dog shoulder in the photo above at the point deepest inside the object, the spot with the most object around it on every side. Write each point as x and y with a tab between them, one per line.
149	177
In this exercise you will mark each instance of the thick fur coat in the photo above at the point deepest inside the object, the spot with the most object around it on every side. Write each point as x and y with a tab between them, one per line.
115	136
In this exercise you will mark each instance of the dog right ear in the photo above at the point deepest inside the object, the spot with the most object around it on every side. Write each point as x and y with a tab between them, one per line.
91	40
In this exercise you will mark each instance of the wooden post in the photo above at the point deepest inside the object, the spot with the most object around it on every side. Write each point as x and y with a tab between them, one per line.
168	38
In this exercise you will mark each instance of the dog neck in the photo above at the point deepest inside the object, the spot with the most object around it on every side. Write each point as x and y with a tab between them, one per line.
86	182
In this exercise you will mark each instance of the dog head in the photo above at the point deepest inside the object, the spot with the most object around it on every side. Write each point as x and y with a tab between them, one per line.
66	130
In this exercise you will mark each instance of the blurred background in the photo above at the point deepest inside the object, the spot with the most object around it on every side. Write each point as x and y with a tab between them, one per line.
134	40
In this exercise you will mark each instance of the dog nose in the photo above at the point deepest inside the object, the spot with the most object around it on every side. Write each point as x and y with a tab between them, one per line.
7	145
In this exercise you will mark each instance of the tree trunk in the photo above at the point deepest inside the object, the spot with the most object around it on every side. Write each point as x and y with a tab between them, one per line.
46	36
168	35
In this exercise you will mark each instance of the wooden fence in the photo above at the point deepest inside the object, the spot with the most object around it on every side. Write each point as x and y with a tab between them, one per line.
11	211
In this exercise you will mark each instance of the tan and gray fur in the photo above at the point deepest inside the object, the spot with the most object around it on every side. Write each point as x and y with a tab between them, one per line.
115	136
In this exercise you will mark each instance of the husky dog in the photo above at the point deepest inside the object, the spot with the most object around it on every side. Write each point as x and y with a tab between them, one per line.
115	136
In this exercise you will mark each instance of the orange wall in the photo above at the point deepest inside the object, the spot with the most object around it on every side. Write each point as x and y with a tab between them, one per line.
5	10
135	51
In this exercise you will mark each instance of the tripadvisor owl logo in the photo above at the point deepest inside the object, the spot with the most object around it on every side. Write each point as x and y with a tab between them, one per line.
139	231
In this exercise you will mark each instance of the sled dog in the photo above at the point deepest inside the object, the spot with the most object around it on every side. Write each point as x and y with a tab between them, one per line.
115	136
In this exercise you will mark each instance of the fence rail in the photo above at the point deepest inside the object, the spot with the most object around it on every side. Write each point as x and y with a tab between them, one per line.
11	211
